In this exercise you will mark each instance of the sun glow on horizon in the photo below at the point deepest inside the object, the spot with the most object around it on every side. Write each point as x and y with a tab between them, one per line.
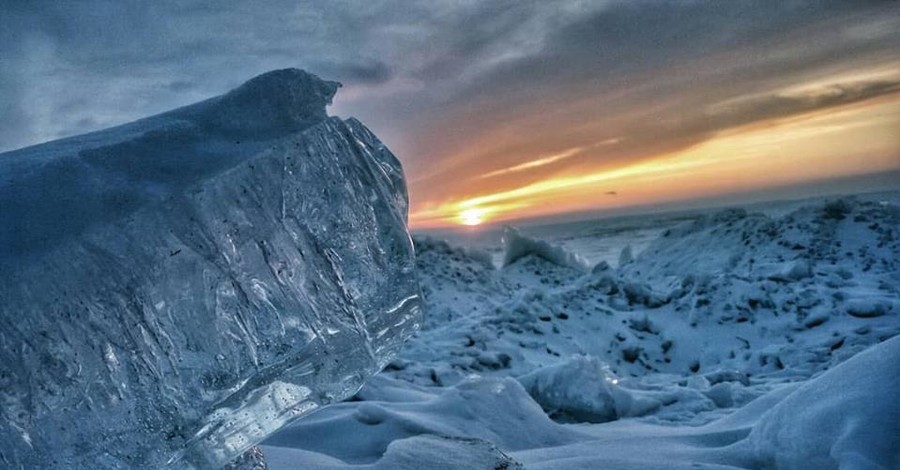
779	152
472	217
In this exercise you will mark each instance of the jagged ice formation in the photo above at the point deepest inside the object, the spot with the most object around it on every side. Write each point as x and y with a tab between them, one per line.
175	289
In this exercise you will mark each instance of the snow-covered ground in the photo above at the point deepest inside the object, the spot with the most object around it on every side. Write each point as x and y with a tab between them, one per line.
741	338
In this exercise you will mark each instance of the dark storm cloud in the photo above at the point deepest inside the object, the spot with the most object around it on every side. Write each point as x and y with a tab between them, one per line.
458	89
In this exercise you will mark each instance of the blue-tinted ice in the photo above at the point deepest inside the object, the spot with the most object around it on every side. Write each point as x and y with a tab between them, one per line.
175	289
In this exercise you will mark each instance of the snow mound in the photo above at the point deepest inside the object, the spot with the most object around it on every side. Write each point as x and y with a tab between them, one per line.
412	453
848	418
486	409
519	246
868	307
176	289
793	271
584	389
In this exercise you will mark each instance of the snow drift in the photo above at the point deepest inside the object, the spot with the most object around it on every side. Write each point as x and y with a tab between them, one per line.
846	418
176	289
849	417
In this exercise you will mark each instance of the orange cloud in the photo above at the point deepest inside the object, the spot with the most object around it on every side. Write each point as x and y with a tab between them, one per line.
824	144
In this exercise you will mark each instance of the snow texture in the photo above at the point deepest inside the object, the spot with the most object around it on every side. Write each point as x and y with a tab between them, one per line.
846	418
178	288
733	339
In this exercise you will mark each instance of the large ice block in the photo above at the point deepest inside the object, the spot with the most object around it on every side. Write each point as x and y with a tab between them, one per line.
175	289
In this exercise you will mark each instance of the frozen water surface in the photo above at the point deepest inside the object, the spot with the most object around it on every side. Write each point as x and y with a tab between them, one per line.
176	289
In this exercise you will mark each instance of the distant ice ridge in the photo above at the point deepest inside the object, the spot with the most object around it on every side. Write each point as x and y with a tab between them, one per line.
176	289
519	246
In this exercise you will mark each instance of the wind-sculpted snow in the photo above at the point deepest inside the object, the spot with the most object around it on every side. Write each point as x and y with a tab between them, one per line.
176	289
846	418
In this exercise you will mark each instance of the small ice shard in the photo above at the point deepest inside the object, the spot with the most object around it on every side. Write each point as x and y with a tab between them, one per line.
626	256
176	289
518	246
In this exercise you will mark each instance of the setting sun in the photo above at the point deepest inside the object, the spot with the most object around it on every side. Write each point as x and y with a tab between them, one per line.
472	216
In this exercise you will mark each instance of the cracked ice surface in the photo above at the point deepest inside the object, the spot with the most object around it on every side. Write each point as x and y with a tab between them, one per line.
176	289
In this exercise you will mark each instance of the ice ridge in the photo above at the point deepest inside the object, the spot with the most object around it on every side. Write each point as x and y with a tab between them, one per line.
176	289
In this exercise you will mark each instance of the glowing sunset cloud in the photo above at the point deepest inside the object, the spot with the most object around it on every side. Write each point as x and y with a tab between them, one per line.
534	163
548	160
779	151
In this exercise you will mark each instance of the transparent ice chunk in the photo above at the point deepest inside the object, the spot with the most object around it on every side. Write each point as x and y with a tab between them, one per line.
176	289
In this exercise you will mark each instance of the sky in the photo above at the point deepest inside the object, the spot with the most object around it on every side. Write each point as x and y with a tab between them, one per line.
502	110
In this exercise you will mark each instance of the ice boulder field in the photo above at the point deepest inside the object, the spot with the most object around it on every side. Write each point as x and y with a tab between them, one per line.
723	339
